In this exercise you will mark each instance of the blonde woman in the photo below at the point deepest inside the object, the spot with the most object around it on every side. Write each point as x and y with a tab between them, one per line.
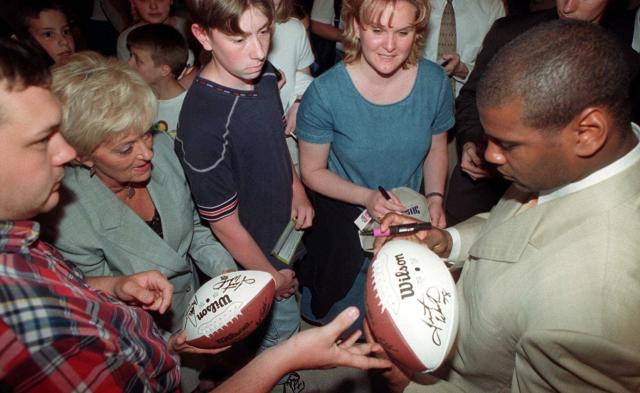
126	204
378	118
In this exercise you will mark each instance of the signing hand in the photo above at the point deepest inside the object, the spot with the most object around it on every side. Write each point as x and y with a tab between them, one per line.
438	240
471	161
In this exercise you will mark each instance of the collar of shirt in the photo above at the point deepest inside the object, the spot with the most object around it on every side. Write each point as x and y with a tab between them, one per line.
598	176
18	236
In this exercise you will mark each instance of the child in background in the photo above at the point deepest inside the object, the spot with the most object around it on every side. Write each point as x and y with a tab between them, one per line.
152	11
291	54
45	23
232	148
159	54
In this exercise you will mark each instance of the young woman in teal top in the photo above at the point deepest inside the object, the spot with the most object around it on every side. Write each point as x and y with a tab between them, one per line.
380	118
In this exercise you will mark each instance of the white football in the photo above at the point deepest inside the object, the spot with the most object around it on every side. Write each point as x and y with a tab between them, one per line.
411	305
228	308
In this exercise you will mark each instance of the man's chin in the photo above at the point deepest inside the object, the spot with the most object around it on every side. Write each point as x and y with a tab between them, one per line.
50	203
521	187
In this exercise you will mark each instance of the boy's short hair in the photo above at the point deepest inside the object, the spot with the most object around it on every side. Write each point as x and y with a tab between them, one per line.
31	9
166	44
224	15
101	97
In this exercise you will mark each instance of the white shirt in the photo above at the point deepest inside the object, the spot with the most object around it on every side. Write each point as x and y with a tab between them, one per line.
290	51
596	177
168	112
474	18
323	11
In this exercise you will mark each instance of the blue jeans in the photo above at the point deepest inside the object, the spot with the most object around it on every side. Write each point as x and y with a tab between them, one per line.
355	297
282	322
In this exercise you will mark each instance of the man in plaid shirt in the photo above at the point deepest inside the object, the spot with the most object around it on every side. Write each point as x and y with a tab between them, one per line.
62	332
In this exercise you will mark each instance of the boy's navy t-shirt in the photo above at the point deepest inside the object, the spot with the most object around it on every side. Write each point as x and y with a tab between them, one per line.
232	147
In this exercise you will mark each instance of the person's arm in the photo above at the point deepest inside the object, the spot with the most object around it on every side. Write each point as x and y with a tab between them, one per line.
316	175
322	20
244	249
210	256
326	31
310	349
302	81
435	177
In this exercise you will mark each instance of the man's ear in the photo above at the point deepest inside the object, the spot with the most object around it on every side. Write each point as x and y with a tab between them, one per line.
202	35
165	70
592	127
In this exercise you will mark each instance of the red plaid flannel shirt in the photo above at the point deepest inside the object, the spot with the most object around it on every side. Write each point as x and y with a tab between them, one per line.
57	334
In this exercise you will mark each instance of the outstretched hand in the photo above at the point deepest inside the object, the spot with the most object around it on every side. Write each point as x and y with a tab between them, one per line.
319	348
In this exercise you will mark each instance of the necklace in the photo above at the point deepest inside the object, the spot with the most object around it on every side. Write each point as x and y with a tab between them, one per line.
131	191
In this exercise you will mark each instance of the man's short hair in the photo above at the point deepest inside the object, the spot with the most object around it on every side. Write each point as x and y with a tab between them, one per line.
557	70
370	11
101	98
165	43
20	68
224	15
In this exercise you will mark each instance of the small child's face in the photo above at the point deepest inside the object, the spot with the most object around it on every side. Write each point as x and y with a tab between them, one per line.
143	63
238	59
153	11
52	31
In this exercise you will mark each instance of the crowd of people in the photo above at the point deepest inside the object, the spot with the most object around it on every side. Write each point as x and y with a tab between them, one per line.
139	166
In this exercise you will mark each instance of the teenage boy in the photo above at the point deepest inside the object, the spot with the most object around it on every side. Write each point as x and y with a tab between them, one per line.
159	53
231	144
60	331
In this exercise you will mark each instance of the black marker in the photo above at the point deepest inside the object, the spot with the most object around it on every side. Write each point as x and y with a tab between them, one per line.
384	193
398	229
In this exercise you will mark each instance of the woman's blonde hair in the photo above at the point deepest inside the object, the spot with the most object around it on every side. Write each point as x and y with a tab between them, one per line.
101	97
366	12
